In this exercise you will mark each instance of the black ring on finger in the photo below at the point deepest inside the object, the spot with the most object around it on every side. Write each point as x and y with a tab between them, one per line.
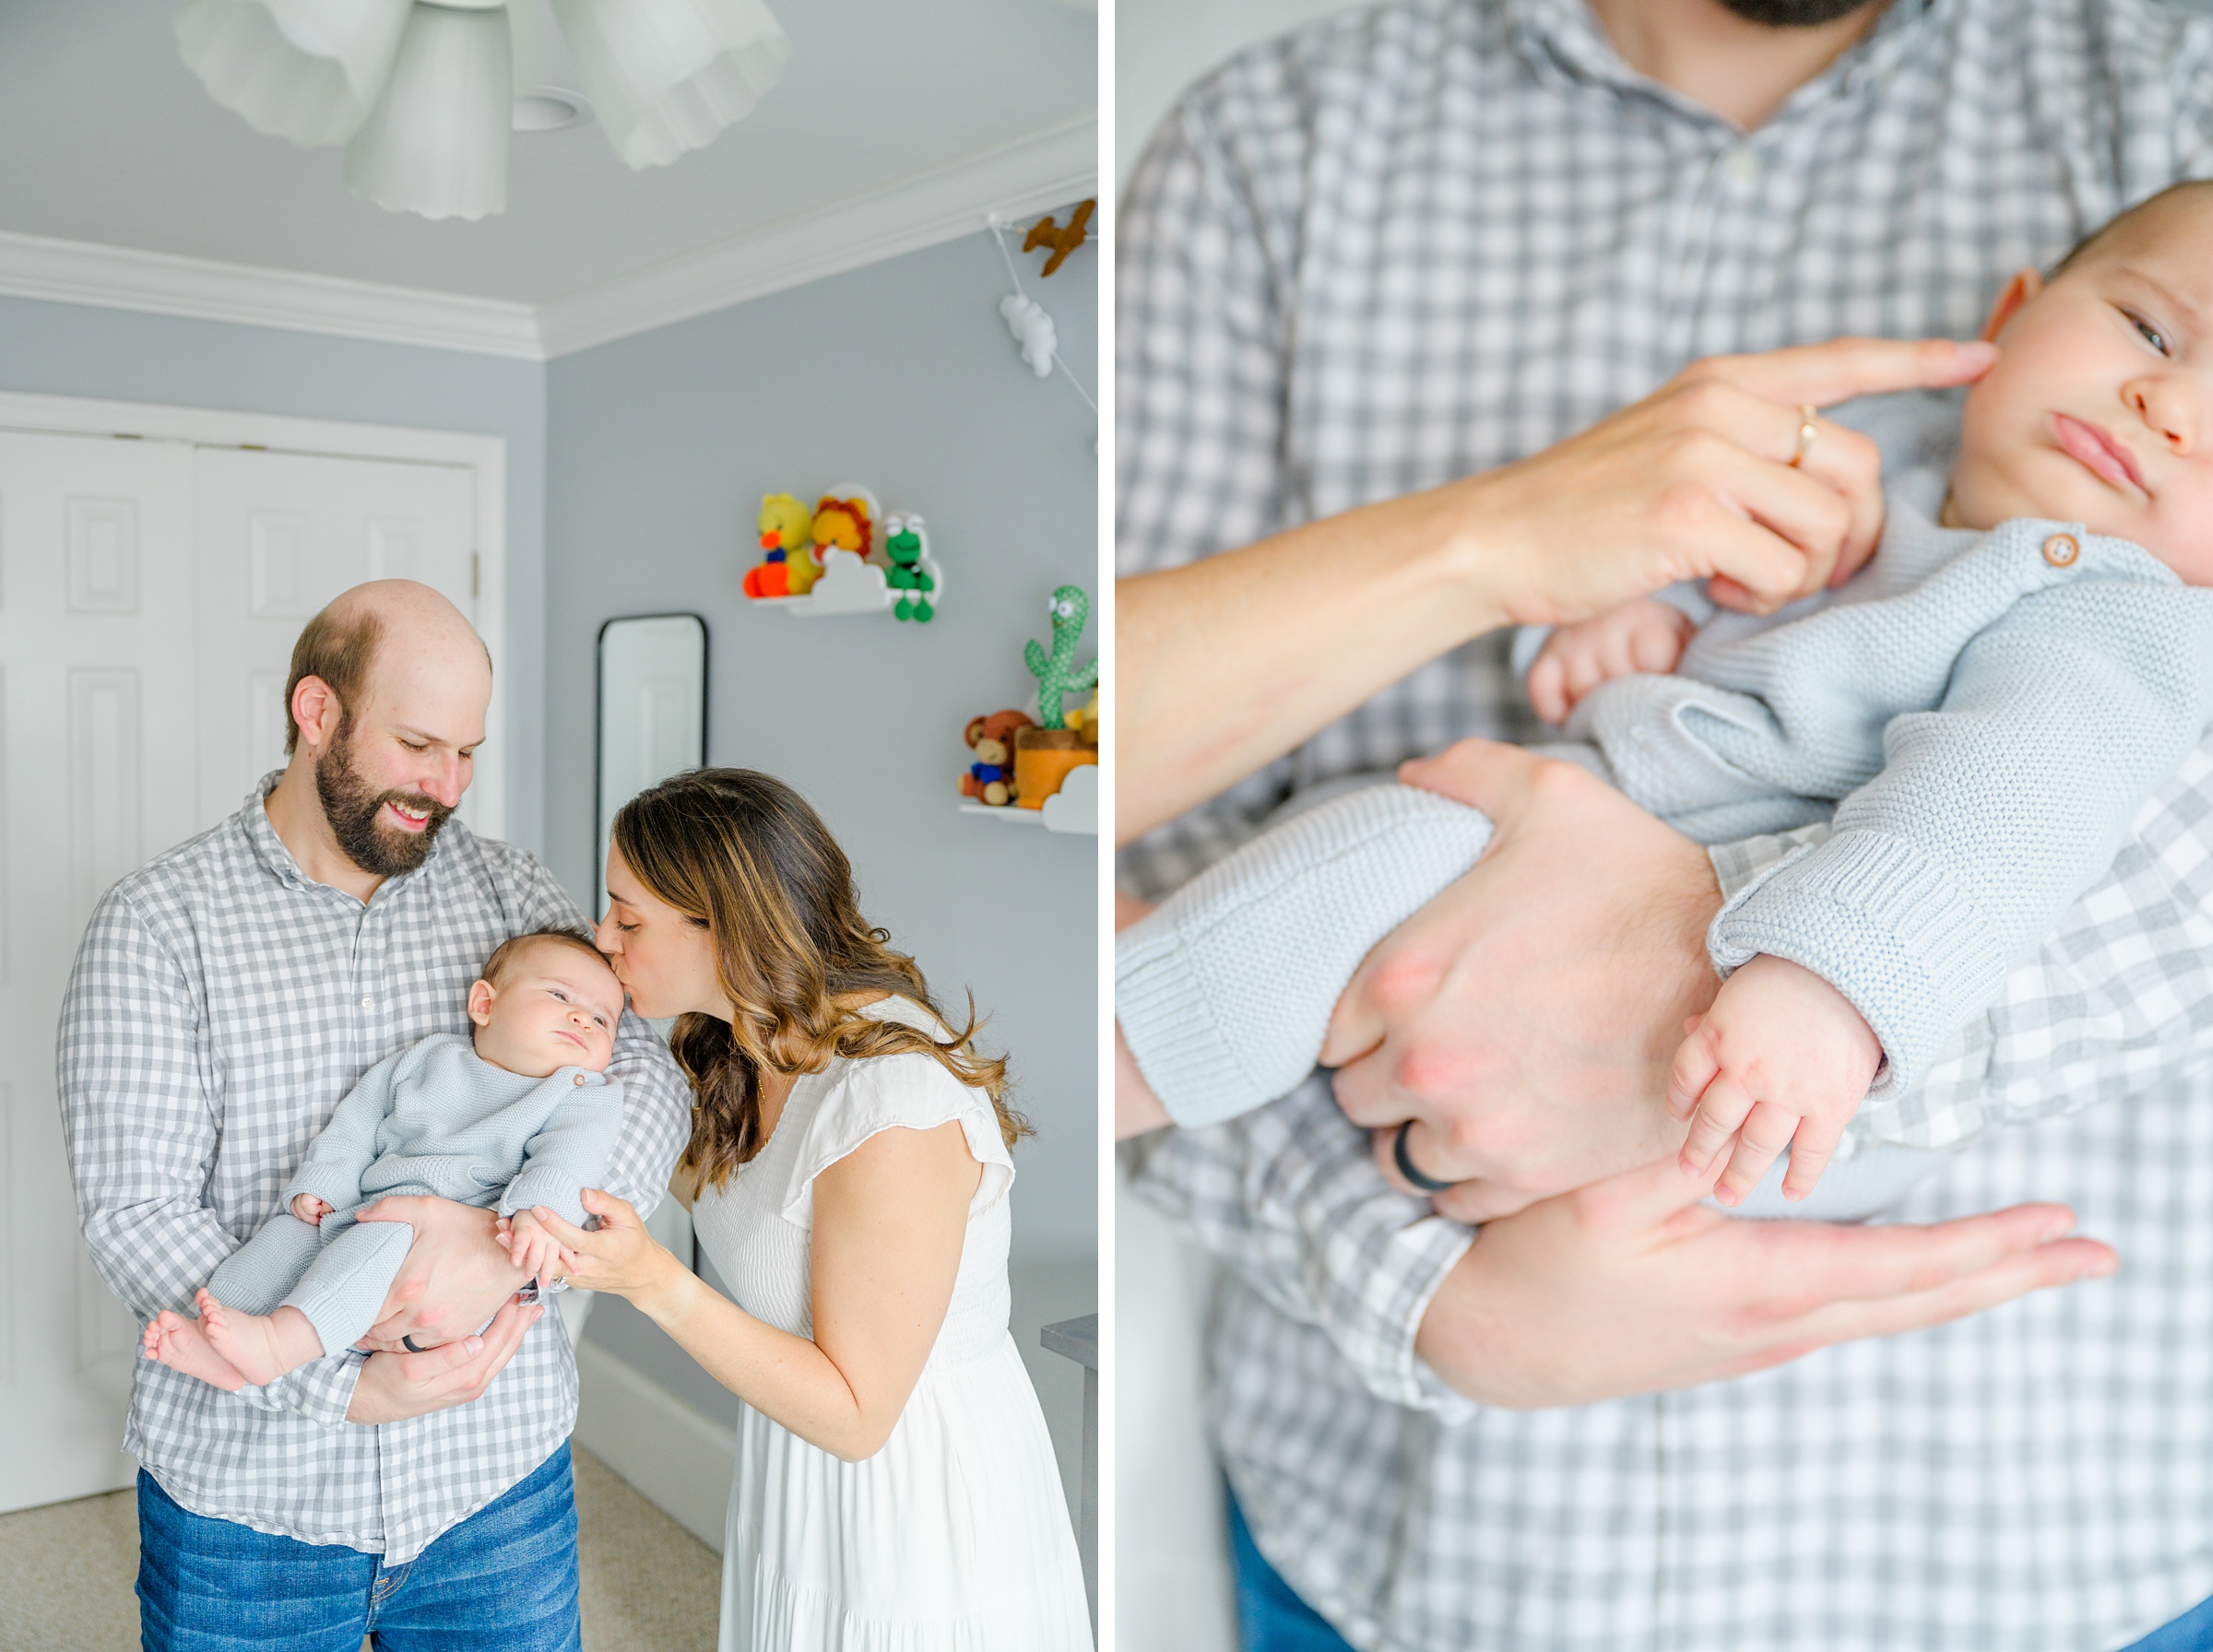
407	1342
1428	1183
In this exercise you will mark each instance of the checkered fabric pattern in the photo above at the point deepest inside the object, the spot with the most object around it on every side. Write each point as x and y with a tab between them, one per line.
221	1006
1434	236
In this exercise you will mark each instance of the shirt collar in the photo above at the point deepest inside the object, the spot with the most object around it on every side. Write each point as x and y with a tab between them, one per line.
1564	38
279	859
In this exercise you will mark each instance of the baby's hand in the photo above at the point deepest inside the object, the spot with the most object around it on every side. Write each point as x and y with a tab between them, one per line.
1643	635
1781	1059
309	1209
531	1248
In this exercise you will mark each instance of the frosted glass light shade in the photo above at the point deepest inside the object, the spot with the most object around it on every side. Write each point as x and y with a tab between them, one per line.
667	76
307	70
436	142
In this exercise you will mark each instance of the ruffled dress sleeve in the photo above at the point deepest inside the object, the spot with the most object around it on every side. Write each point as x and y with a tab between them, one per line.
894	1093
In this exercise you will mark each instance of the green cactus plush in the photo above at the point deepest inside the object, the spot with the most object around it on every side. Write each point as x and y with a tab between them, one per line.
903	548
1071	611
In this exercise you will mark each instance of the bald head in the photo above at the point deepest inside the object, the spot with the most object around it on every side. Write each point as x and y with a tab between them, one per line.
388	627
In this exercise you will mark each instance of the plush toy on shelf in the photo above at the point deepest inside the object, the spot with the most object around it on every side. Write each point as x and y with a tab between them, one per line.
1084	719
848	523
1047	755
787	567
906	548
990	778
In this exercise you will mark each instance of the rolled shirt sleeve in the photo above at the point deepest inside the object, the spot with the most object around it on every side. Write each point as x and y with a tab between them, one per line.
1290	1197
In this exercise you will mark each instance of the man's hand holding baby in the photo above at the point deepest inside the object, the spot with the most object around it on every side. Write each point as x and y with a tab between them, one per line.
1645	635
1782	1059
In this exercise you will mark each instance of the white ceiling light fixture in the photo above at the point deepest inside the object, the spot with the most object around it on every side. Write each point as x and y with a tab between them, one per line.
423	92
667	76
307	70
436	142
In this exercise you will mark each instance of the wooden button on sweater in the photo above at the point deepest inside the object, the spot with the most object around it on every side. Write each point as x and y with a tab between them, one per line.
2061	549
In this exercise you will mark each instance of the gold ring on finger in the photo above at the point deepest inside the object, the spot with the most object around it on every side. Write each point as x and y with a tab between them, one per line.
1807	431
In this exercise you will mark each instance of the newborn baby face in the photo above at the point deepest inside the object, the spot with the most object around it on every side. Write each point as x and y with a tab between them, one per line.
2099	410
552	1005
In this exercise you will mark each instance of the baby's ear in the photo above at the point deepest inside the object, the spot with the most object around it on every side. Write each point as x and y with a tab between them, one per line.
2026	284
479	1002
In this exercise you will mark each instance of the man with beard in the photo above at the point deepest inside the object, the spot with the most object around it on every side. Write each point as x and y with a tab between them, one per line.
226	996
1402	303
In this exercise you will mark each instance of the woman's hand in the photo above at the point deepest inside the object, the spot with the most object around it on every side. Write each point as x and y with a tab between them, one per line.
1281	638
1697	481
620	1258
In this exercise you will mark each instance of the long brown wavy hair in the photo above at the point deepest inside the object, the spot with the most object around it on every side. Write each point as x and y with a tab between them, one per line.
741	854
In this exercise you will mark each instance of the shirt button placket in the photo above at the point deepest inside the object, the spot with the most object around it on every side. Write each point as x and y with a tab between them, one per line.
368	954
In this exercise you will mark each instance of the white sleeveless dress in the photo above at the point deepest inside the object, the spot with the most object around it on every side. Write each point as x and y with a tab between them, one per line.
954	1538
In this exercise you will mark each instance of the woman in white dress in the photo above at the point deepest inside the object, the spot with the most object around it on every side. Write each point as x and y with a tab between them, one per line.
847	1171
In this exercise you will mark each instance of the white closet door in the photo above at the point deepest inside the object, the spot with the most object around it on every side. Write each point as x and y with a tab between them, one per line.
98	744
278	535
149	596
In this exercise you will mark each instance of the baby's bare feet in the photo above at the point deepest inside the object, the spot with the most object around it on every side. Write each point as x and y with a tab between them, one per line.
177	1342
262	1346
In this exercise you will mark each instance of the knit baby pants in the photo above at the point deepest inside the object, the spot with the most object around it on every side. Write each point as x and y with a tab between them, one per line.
339	1285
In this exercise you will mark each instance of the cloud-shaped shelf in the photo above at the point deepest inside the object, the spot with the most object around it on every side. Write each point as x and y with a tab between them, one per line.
1073	809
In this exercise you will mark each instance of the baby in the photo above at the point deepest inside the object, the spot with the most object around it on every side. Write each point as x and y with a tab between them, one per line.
521	1113
1986	705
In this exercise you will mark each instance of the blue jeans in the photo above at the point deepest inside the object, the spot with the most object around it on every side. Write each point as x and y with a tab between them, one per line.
1271	1618
503	1580
2193	1631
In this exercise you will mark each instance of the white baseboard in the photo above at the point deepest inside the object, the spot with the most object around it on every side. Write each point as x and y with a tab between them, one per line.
677	1458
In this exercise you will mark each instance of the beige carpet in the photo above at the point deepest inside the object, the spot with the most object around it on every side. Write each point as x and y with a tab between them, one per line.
647	1584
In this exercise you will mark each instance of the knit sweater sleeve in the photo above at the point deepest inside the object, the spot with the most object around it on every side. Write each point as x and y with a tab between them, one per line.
1992	813
1225	991
346	1147
570	1153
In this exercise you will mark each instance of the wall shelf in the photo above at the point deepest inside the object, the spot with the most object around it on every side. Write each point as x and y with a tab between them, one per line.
1072	810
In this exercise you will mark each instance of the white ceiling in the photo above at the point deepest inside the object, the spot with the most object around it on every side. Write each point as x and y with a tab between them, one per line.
105	137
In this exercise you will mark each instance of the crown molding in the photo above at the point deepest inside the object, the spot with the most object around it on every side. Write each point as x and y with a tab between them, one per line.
76	271
1046	168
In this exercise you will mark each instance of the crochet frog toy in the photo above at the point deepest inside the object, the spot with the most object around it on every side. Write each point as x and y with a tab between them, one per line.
905	549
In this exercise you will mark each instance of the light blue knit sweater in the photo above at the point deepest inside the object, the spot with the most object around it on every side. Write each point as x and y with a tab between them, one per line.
1984	718
438	1118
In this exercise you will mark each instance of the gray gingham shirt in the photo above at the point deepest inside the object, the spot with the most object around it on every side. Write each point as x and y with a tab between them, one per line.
221	1006
1431	237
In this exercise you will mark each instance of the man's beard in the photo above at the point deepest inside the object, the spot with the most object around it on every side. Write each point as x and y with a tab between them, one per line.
351	809
1794	13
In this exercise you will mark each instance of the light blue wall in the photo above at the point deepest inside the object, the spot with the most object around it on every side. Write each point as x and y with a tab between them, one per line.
901	376
118	354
